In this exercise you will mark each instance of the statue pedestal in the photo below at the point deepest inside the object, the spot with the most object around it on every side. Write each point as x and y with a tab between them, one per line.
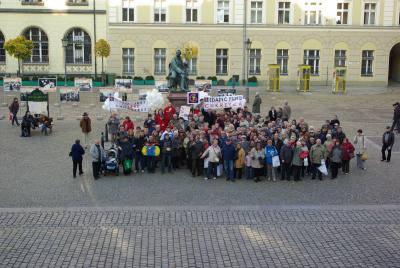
177	99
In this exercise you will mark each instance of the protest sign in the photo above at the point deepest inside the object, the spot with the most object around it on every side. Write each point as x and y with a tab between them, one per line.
47	84
137	106
222	102
184	112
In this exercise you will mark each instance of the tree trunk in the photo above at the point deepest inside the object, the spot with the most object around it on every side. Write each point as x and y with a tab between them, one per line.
102	70
19	68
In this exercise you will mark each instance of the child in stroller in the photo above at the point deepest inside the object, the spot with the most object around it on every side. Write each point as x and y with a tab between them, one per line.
111	162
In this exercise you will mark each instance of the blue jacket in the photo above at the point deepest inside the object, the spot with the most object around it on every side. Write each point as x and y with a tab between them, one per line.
270	151
77	152
228	152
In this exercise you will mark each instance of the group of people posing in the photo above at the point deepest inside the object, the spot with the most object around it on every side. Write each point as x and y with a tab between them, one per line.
235	144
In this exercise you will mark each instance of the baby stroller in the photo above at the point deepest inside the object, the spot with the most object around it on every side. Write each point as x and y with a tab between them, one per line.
111	163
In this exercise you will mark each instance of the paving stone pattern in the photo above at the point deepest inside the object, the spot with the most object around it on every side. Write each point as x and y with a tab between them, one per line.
320	237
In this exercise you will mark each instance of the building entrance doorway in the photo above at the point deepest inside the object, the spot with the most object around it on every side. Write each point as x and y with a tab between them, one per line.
394	64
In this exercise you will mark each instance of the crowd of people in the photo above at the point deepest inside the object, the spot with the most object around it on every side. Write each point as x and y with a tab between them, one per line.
235	144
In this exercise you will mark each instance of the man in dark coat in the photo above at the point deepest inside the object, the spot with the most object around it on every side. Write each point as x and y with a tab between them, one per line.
396	117
76	153
228	154
195	151
387	143
286	156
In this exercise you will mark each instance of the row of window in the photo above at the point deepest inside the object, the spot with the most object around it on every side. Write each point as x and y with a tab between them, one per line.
78	50
312	12
311	58
41	2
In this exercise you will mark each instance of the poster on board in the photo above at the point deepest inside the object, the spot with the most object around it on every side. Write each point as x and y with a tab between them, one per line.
12	83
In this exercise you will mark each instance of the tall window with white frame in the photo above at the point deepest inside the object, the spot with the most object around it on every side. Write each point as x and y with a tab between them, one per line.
283	12
255	61
128	14
159	61
342	13
40	51
282	59
313	13
367	62
340	58
128	61
192	66
223	11
160	11
191	10
369	13
311	58
256	11
2	50
222	61
79	48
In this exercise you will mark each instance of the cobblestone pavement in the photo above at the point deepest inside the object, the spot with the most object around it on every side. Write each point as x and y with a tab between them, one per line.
48	219
205	237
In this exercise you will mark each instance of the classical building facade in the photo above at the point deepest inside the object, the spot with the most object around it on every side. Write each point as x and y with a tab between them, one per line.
359	34
363	35
46	23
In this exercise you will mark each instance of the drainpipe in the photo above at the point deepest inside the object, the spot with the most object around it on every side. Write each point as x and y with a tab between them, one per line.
94	37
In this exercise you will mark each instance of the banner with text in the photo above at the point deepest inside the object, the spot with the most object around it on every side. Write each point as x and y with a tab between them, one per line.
222	102
137	106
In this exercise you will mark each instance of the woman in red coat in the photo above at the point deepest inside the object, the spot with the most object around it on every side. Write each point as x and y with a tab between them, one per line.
169	111
160	120
347	155
128	124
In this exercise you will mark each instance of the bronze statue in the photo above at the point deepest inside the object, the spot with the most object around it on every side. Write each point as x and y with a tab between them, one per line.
178	74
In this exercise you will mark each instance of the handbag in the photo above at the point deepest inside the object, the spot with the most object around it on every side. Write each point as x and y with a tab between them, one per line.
364	155
322	168
70	153
275	161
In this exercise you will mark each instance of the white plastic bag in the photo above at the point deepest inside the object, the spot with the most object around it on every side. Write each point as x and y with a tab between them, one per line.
323	169
220	169
305	162
275	161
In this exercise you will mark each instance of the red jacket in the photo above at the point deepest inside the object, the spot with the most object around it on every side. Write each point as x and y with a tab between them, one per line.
128	124
347	149
168	112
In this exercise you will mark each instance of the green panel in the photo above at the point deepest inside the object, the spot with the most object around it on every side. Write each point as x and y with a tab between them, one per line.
30	83
150	82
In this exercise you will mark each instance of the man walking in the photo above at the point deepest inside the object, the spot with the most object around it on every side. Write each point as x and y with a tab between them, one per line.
76	153
14	108
86	127
396	117
97	156
387	144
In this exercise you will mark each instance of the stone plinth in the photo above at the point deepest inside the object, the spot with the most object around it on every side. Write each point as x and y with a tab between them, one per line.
177	99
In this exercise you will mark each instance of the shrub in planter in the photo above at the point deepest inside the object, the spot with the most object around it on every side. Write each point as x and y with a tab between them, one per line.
201	78
230	82
149	77
212	78
252	82
221	82
149	80
138	80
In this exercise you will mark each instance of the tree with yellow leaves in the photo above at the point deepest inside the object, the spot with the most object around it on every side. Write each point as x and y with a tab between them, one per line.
19	48
102	49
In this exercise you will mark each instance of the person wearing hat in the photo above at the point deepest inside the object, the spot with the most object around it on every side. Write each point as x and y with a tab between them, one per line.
387	144
86	127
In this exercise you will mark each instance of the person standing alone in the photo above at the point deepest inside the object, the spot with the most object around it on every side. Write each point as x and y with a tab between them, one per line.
86	126
387	144
257	104
14	108
76	153
97	156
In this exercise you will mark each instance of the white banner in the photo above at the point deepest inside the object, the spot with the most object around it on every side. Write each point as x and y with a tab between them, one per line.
137	106
184	112
222	102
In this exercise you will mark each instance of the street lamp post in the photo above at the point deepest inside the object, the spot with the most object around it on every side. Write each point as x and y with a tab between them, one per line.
65	44
248	47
